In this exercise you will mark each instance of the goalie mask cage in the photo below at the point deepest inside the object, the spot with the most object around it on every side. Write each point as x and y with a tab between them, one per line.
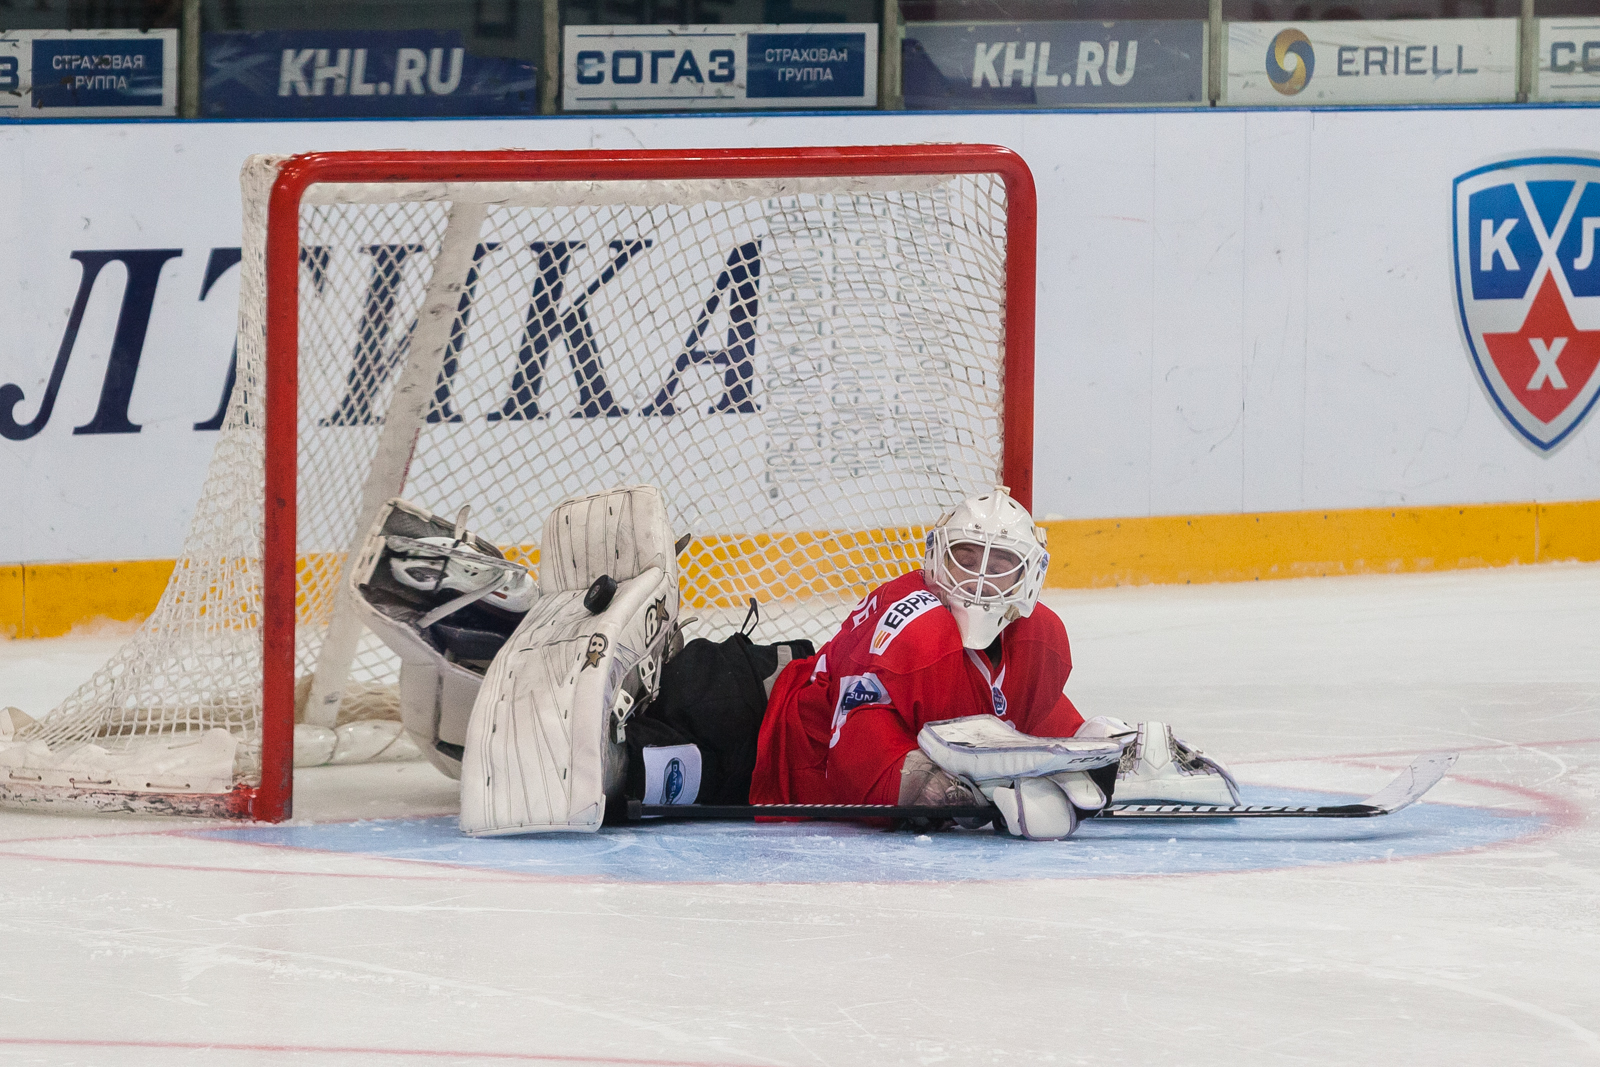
813	352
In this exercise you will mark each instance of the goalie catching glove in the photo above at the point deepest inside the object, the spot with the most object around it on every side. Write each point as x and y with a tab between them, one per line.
1040	784
1157	767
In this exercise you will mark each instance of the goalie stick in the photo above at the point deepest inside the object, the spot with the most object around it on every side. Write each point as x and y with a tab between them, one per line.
1423	774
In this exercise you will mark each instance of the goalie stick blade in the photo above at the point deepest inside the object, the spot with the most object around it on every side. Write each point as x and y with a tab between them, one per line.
1423	774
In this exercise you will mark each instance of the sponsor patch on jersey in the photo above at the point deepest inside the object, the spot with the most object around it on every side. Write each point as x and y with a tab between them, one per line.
855	691
899	616
999	700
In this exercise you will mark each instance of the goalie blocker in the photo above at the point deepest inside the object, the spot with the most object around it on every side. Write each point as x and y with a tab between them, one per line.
1042	786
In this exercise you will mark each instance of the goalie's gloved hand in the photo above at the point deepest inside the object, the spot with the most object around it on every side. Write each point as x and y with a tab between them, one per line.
1047	808
924	784
1041	785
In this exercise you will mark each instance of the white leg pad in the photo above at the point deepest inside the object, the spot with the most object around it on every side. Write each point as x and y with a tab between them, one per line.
436	695
621	533
436	690
542	752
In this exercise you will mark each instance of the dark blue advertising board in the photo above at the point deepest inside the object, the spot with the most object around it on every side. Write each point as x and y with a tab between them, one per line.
813	64
359	74
1053	64
91	72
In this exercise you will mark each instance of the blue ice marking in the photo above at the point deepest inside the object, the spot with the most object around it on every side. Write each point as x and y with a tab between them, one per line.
841	852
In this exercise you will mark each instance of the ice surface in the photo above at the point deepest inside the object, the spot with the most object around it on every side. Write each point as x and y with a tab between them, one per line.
1463	930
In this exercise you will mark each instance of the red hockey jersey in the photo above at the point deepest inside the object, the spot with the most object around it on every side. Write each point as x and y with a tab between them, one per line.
839	724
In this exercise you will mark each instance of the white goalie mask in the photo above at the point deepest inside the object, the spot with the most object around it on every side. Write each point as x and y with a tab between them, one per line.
986	562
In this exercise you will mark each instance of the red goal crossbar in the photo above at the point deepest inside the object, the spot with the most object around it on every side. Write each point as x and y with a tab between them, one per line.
271	800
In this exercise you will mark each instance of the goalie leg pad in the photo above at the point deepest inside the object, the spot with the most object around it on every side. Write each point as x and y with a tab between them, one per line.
543	749
436	694
618	533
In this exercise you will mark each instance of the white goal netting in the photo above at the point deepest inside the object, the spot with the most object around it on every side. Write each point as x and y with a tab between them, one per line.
809	369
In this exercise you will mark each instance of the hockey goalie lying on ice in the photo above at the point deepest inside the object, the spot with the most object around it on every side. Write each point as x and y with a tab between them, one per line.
554	703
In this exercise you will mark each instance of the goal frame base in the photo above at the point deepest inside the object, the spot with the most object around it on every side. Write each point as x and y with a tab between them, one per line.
239	803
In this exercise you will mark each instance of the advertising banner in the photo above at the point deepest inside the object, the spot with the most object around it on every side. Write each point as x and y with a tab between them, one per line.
359	73
1409	61
620	68
1568	60
1238	310
88	73
1053	64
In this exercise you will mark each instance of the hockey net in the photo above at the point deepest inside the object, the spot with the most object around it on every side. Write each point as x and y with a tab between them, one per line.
813	353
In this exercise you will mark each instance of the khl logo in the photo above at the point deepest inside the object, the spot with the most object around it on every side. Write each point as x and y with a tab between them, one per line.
1528	285
1290	61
